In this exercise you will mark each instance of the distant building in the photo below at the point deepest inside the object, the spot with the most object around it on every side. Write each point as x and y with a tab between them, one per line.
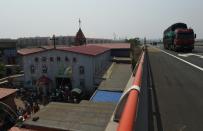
8	51
73	67
28	42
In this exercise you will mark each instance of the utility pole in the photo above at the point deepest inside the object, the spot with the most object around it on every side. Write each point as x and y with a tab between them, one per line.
54	40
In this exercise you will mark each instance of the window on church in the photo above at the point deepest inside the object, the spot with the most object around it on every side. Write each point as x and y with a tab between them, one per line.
66	58
82	82
58	59
44	69
82	69
74	59
44	59
51	59
36	59
32	69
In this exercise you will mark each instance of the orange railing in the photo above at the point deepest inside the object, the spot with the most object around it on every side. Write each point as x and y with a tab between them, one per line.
129	113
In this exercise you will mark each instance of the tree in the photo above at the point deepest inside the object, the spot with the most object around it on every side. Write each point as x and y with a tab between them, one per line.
135	50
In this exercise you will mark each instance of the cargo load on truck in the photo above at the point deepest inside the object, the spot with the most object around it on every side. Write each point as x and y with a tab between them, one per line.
179	37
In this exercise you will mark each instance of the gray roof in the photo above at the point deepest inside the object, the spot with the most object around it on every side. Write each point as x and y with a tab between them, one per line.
118	79
86	116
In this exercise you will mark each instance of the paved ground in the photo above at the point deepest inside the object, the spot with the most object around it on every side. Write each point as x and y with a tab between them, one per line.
178	89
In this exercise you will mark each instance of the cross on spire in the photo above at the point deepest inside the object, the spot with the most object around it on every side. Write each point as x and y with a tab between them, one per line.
54	40
79	23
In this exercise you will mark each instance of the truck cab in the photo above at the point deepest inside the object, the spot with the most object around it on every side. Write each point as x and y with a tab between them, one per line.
184	39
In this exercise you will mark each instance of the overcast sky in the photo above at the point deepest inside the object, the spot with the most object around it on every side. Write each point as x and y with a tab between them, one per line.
100	18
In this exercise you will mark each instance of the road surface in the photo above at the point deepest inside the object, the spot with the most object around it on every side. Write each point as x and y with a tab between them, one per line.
178	86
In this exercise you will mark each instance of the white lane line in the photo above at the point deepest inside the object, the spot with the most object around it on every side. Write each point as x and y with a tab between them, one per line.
190	54
193	65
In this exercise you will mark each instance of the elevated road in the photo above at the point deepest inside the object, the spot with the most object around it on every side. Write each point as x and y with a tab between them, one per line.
177	83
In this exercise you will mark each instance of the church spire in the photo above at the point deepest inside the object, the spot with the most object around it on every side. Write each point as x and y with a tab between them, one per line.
80	37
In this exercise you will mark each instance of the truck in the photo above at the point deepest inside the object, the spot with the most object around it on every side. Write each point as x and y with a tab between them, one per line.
179	37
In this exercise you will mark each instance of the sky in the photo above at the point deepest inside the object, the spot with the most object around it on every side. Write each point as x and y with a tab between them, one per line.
100	18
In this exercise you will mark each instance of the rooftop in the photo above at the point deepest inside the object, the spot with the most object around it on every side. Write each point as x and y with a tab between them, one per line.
106	96
27	51
114	45
86	116
92	50
86	49
4	92
116	81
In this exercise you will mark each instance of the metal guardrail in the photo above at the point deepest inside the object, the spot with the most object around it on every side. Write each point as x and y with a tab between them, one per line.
129	113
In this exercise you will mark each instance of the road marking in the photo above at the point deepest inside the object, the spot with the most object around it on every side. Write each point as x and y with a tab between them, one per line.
200	68
190	54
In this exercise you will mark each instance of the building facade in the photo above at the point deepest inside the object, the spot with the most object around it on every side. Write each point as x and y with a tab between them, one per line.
74	67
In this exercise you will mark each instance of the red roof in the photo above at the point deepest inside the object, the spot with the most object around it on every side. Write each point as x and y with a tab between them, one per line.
114	45
92	50
6	92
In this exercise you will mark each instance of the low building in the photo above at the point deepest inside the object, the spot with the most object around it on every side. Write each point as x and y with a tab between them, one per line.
117	49
8	107
8	51
7	96
86	116
72	67
28	42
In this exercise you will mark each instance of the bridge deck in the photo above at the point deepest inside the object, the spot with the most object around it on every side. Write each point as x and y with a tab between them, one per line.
178	88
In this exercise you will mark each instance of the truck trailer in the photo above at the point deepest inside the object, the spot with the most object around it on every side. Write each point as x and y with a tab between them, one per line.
179	37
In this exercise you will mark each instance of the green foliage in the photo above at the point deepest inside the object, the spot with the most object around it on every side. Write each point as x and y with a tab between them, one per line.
134	41
135	50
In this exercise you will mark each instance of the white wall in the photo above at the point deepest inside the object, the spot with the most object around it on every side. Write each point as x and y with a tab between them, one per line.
92	64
